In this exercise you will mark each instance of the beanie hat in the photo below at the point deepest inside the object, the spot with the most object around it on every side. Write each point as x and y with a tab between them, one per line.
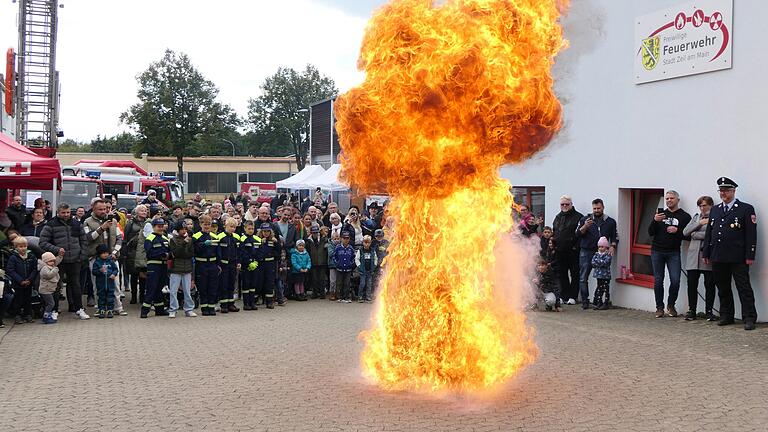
48	257
102	248
603	242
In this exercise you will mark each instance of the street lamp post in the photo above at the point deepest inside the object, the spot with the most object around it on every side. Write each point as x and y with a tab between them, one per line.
230	143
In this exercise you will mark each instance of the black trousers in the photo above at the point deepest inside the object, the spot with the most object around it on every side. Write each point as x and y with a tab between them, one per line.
739	272
568	272
693	289
70	272
22	300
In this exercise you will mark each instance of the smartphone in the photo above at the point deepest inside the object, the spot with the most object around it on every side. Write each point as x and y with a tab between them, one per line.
660	210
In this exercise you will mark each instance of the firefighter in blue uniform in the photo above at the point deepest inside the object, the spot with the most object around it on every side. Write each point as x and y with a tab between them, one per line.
730	244
207	268
228	244
249	263
269	257
157	248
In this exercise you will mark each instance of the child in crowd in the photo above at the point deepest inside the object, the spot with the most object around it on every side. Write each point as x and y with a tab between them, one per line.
367	265
381	245
283	270
333	294
601	269
105	272
318	254
49	280
22	271
546	235
300	265
344	255
248	258
180	269
548	287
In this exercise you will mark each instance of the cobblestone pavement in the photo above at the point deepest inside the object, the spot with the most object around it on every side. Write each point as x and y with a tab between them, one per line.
296	368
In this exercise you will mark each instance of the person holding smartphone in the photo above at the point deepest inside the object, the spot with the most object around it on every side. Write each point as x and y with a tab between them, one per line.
590	229
667	232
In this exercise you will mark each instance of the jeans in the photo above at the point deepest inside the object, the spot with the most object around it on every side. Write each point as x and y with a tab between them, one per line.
343	283
48	301
672	261
185	280
585	268
365	287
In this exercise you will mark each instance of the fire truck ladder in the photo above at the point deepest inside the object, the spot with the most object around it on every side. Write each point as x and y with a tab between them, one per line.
37	100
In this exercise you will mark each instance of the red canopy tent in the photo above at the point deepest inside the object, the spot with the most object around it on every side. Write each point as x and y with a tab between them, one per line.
20	168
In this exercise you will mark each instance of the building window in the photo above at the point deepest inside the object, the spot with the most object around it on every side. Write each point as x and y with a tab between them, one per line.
533	197
211	182
242	177
267	177
644	204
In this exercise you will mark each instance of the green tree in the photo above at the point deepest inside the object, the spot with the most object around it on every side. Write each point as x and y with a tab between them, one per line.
279	120
177	106
121	143
72	146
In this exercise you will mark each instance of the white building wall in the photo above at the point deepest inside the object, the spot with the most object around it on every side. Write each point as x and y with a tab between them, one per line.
677	134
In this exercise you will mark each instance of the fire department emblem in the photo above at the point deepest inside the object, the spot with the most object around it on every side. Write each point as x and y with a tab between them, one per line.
651	51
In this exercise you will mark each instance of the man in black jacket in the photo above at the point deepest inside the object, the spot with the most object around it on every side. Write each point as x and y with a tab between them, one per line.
667	232
17	213
64	236
591	227
567	250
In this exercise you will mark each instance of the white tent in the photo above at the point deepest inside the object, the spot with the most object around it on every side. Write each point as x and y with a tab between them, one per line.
329	180
297	180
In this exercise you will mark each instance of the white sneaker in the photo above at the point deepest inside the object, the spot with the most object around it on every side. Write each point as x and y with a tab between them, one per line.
82	315
172	314
190	314
571	301
55	315
121	312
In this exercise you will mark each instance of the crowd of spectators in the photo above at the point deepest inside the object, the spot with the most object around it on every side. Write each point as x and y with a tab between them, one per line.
199	254
720	250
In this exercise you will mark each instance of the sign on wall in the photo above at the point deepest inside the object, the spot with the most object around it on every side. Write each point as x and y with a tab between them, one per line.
687	39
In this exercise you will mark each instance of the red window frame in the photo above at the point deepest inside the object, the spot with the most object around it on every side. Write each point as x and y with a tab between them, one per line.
635	248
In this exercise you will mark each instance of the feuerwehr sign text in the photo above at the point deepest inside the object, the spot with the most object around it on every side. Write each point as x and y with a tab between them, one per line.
687	39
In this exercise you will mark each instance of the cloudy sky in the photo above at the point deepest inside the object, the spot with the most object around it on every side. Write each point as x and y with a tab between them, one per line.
104	44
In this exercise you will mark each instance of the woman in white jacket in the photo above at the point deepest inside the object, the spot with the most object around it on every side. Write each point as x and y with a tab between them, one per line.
695	265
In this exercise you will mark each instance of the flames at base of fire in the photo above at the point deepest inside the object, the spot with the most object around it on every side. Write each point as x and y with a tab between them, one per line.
441	323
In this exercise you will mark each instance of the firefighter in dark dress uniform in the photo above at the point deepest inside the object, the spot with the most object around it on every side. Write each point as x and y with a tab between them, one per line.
730	245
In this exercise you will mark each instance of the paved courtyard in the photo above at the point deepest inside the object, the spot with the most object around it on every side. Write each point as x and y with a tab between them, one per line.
296	368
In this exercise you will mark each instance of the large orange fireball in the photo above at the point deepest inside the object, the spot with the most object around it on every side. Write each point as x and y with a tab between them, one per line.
453	90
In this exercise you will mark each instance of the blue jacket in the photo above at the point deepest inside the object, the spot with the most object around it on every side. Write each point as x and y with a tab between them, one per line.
601	265
300	261
603	227
102	279
344	257
157	248
20	268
